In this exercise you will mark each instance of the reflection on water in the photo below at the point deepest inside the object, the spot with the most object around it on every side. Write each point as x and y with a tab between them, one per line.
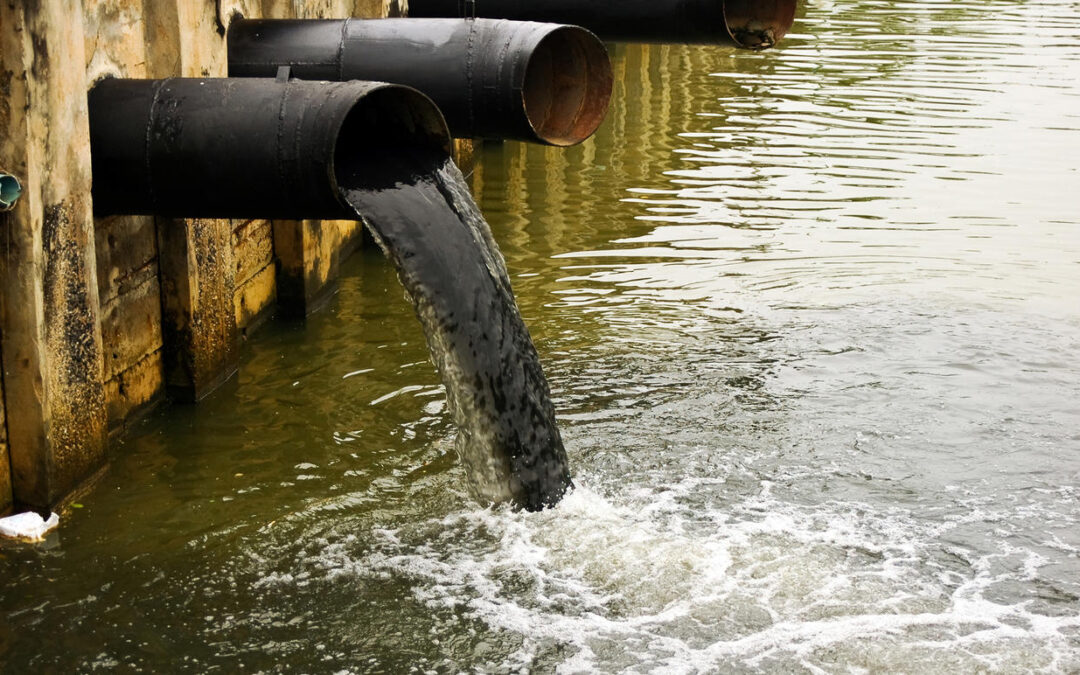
810	324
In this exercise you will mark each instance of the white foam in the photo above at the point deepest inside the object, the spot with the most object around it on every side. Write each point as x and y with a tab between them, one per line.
640	582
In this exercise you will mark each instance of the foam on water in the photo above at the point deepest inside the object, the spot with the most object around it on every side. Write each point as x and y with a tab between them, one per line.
601	586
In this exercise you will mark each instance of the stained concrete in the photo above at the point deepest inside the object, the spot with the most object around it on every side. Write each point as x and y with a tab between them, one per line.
5	460
198	280
52	356
309	254
255	296
98	319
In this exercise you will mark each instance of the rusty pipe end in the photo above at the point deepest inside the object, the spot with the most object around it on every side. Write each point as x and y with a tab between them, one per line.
758	24
10	191
567	86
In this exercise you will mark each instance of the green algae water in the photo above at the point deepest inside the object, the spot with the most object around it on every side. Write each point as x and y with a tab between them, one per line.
809	318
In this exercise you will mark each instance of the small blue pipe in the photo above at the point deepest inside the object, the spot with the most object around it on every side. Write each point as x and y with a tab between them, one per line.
10	191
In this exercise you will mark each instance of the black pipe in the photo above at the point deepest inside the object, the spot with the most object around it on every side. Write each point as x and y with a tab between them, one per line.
492	79
754	24
254	148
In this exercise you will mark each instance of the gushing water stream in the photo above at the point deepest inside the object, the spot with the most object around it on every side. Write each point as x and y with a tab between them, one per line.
419	210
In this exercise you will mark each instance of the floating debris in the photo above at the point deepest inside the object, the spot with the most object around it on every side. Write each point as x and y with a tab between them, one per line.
28	526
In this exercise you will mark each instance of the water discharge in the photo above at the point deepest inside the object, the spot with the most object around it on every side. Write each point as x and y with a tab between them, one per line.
418	208
810	324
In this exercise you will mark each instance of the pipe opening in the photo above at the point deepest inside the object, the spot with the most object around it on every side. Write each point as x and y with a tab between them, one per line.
758	24
10	191
388	127
567	86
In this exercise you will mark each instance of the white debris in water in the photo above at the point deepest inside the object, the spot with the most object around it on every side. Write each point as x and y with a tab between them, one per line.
28	526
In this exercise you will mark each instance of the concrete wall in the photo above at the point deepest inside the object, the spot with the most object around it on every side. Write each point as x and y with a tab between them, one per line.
100	319
5	460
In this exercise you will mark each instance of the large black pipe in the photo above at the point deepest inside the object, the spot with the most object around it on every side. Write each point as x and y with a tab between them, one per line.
252	148
754	24
492	79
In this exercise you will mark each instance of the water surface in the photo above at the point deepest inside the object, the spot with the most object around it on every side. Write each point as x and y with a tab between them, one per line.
810	321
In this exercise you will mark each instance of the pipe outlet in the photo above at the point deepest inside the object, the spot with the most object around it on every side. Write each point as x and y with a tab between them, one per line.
10	191
756	24
544	83
752	24
251	148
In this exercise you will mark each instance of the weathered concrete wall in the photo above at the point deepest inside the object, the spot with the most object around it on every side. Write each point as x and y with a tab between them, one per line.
130	293
99	318
5	461
309	254
52	356
256	284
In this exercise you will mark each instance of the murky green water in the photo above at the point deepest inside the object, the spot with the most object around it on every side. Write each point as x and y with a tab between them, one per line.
810	320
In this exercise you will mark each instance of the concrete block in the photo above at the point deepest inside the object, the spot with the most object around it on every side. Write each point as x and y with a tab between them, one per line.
256	300
130	293
253	244
134	391
198	282
131	323
5	459
308	256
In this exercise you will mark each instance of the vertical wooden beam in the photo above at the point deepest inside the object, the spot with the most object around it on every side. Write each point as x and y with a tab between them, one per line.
50	317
